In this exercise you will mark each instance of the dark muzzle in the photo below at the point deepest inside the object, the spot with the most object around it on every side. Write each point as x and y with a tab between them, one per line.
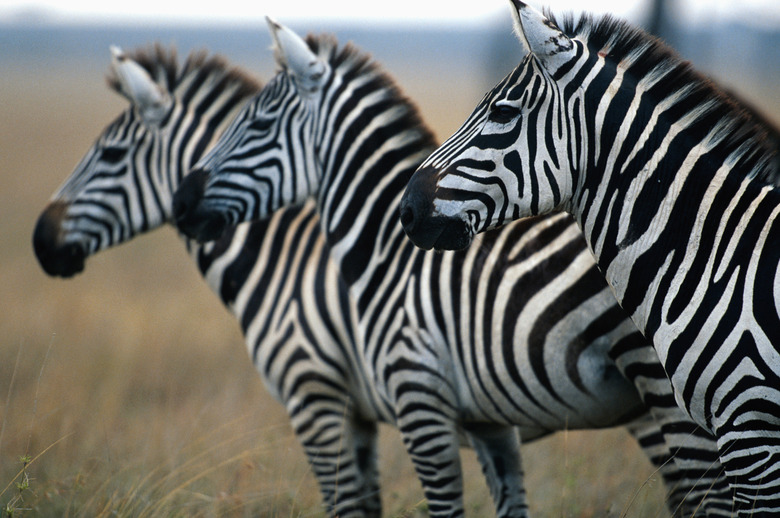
188	212
420	224
56	258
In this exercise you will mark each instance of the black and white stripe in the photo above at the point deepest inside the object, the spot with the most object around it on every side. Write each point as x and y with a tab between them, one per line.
674	188
517	330
274	276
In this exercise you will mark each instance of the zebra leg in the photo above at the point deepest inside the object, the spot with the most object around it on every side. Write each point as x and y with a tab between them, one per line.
498	451
687	459
365	440
426	415
648	434
342	451
686	456
433	445
703	487
752	462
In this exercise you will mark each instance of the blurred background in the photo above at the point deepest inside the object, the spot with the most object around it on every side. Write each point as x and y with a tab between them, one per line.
129	386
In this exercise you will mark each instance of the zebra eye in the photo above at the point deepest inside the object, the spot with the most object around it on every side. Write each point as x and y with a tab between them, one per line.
261	124
503	113
112	154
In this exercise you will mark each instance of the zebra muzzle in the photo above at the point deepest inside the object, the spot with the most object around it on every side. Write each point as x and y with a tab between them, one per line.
425	229
57	259
189	214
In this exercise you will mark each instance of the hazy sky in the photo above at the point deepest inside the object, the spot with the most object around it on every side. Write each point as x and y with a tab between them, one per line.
425	11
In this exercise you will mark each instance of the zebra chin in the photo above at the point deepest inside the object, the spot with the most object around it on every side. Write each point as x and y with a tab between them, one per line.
56	258
202	225
440	233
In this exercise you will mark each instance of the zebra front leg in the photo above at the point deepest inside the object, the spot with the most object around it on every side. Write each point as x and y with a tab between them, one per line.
365	443
433	445
341	449
426	417
752	463
685	455
703	486
498	451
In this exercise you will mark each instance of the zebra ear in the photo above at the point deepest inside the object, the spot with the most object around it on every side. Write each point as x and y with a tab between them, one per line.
149	98
541	36
295	56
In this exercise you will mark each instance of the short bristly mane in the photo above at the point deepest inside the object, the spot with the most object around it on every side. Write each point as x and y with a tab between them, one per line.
162	64
352	62
645	54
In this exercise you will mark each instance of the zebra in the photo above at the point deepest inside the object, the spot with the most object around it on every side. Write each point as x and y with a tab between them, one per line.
275	277
449	339
272	275
675	190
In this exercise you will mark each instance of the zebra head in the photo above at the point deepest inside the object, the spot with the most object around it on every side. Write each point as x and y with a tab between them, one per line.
92	209
124	184
513	157
243	177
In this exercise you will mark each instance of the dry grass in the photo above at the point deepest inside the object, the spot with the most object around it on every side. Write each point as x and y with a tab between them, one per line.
129	387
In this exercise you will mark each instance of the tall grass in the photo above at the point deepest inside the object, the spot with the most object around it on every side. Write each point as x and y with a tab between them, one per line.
127	390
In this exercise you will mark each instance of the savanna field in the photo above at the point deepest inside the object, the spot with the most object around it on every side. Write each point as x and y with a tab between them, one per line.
127	390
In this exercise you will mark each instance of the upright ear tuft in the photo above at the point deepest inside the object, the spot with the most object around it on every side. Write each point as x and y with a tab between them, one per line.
149	98
541	37
295	56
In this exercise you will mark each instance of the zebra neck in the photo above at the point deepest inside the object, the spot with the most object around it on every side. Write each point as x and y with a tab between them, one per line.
664	221
363	229
213	260
358	198
216	260
249	263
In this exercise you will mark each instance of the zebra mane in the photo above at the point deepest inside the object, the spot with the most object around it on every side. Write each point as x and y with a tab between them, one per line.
211	70
352	62
646	55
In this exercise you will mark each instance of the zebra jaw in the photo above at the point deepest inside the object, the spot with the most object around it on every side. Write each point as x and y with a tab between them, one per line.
440	233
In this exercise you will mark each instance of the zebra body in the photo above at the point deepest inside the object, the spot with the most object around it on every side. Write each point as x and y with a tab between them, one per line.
452	340
674	188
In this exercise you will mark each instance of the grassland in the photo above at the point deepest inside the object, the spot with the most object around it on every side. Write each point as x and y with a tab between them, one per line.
127	390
